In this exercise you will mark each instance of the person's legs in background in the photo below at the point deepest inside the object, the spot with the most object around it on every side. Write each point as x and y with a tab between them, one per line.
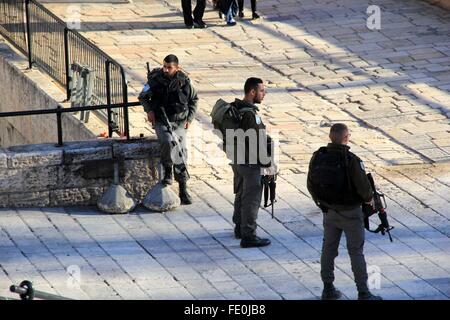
187	13
198	13
253	6
231	13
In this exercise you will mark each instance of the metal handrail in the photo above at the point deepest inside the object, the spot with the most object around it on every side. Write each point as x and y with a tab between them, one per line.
59	110
110	87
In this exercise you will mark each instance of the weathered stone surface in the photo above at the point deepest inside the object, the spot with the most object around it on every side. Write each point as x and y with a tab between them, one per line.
72	156
39	178
4	200
137	149
140	176
75	196
30	199
11	180
88	166
34	159
3	159
70	176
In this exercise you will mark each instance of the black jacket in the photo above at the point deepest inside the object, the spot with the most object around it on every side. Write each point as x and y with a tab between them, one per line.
176	96
360	185
261	154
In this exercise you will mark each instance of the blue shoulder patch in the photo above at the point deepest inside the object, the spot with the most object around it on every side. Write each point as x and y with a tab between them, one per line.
146	88
362	166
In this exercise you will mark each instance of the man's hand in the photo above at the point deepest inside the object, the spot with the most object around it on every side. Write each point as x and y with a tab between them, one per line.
271	171
151	117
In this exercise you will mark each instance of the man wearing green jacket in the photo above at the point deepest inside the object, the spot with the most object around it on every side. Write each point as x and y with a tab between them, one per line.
169	94
253	153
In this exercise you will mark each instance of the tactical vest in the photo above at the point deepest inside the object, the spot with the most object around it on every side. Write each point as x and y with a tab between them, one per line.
330	178
172	95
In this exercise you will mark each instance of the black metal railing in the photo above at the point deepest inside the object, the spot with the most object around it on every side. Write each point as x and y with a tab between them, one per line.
13	23
59	110
53	47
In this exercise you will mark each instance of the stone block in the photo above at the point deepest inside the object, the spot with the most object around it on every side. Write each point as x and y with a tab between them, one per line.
30	199
74	176
4	201
75	196
87	154
137	176
39	178
140	149
11	180
34	158
3	159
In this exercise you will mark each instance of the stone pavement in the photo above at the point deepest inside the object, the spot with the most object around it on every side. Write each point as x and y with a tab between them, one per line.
322	65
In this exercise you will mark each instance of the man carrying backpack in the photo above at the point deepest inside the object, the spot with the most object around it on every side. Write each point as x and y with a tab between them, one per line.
338	185
250	150
170	100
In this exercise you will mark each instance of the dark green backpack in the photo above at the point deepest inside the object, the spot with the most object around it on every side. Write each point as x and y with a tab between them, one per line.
225	116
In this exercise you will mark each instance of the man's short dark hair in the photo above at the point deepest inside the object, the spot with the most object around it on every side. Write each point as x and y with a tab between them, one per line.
251	84
171	58
337	132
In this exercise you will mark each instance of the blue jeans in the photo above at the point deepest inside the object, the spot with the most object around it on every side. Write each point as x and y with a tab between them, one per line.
232	11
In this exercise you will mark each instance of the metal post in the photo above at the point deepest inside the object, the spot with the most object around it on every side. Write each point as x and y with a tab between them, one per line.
59	125
125	100
27	15
67	63
108	97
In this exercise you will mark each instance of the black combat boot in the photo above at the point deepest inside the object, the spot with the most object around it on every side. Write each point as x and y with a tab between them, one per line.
237	231
184	195
254	242
167	176
367	295
330	292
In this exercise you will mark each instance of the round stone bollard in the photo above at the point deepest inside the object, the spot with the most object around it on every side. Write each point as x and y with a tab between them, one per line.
161	198
116	200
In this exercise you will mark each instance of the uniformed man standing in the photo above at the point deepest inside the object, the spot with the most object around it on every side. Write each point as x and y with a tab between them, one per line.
248	165
338	185
169	94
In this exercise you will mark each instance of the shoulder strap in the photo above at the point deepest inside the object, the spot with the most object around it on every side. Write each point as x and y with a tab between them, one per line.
347	155
322	150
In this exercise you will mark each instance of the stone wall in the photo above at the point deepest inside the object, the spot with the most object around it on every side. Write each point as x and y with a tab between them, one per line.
22	89
43	175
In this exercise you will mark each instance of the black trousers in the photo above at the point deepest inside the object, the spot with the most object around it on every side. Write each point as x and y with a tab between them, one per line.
252	3
198	11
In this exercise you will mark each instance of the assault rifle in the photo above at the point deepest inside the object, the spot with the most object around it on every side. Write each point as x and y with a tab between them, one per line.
379	207
269	187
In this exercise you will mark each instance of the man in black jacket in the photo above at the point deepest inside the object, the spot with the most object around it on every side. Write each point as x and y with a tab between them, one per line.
338	185
169	94
253	154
